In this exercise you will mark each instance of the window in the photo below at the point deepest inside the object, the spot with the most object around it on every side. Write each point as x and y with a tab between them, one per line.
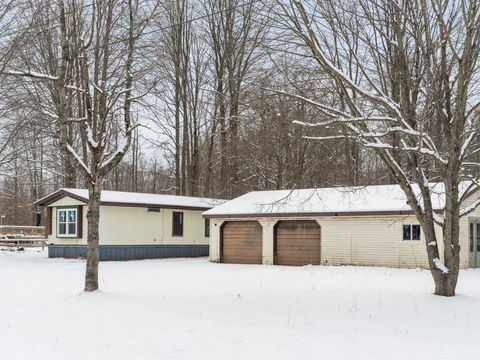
415	232
411	232
478	236
177	224
207	227
67	222
471	237
407	232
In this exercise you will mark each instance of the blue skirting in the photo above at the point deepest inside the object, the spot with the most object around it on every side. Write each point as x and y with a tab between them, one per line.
129	252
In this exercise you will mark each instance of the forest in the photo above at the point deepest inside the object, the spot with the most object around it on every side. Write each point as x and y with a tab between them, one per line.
208	118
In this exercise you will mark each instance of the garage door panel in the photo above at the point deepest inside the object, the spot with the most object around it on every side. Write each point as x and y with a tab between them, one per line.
297	243
298	251
291	241
242	242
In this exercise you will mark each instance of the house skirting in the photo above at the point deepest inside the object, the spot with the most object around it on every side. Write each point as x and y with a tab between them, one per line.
129	252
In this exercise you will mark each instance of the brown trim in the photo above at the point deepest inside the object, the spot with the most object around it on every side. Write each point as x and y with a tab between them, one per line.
471	193
80	221
221	241
124	204
48	222
315	214
78	234
59	194
274	260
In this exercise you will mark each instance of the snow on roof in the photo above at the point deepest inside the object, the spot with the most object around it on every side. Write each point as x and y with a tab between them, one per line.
378	198
140	198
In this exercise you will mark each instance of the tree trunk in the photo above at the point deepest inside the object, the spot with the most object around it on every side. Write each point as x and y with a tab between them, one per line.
223	139
93	220
178	147
67	163
209	180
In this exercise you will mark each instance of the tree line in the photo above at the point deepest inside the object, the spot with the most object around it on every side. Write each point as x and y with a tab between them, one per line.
209	124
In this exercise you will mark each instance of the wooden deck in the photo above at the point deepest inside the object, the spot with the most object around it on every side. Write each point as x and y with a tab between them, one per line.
23	243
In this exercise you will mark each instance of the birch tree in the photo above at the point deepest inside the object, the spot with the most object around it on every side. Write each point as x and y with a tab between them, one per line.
415	101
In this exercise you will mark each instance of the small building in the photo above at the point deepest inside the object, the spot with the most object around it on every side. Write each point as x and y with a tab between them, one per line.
132	225
372	226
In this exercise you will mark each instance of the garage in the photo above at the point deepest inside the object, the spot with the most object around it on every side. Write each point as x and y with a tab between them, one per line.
297	242
241	242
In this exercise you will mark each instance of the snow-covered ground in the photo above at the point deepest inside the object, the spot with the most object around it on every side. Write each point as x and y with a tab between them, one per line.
193	309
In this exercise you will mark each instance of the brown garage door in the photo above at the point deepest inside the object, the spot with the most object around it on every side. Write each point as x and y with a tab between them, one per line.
297	243
242	242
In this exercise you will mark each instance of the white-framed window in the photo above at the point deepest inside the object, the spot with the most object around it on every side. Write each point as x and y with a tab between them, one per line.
411	232
67	223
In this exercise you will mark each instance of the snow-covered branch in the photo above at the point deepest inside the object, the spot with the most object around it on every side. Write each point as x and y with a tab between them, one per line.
30	73
79	159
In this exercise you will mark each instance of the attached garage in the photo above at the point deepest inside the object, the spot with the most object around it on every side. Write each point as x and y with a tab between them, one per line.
297	242
365	225
241	242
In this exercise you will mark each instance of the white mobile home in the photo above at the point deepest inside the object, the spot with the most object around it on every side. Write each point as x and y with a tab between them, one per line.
370	225
132	225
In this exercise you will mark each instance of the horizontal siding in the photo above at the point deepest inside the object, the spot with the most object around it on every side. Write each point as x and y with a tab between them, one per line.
129	252
371	241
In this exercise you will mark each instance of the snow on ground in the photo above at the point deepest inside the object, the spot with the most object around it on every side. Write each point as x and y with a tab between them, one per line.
193	309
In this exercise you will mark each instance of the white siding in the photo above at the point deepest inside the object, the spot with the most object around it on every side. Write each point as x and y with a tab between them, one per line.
120	225
375	241
215	229
267	236
464	232
360	240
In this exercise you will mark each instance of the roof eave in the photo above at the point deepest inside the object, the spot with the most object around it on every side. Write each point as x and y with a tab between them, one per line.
57	195
315	214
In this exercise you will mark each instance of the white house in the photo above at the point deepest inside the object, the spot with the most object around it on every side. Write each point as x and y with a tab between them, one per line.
132	225
370	225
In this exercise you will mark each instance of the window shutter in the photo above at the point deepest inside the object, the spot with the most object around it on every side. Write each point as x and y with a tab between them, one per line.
48	222
80	221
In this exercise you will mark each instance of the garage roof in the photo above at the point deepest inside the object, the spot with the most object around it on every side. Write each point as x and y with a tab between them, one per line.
121	198
360	200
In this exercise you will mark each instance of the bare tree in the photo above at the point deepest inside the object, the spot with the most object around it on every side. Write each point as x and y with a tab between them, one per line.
413	101
236	32
106	83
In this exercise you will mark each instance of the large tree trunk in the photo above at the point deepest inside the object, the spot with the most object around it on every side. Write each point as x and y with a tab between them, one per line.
93	220
445	283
